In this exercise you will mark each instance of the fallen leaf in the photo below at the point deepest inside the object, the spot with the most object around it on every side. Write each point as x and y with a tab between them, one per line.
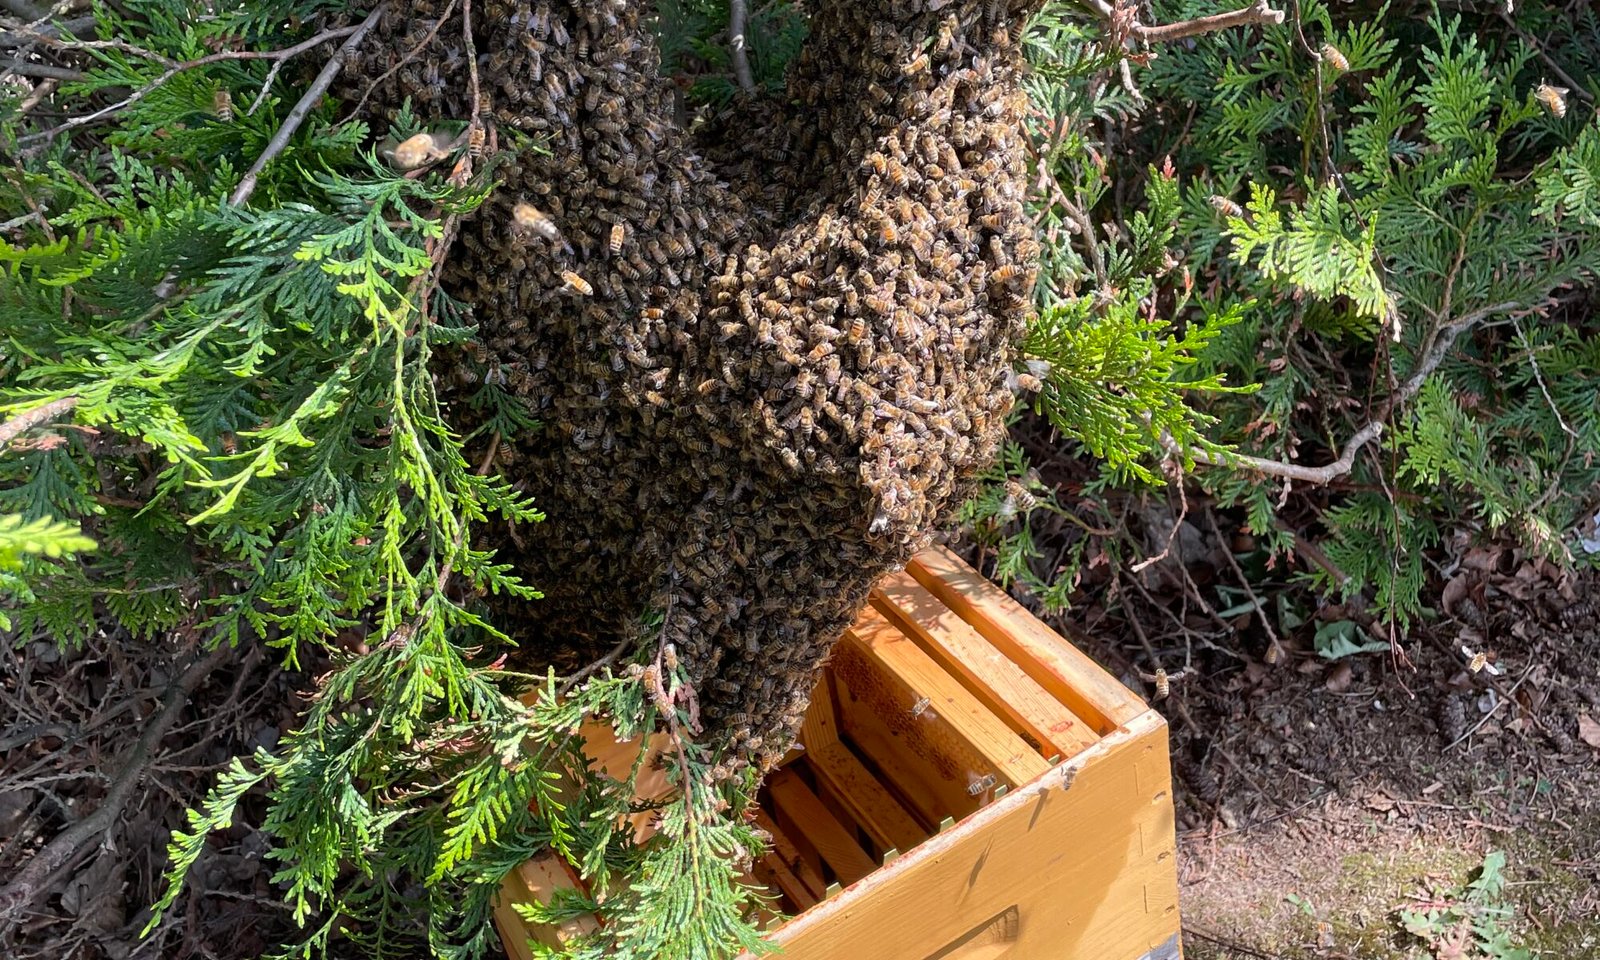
1589	730
1338	678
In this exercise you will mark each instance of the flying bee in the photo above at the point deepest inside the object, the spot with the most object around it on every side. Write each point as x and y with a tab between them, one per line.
1332	56
417	150
528	217
1225	206
1553	98
576	284
1163	684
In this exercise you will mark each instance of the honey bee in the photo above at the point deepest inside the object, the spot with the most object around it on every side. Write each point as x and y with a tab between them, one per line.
1006	274
576	284
916	65
528	217
222	105
416	151
1332	56
1163	684
1553	98
886	231
1225	206
857	331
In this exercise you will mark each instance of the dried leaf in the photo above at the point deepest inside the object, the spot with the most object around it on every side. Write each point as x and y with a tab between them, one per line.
1339	678
1589	730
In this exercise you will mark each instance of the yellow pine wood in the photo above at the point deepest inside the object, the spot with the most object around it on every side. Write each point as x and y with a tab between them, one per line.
1003	686
1043	654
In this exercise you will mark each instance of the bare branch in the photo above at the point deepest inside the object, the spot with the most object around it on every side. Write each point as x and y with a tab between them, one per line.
28	68
1278	468
736	41
28	882
36	31
1259	12
177	68
23	422
313	94
1432	356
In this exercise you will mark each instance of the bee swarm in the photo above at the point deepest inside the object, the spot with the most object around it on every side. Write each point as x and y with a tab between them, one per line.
770	356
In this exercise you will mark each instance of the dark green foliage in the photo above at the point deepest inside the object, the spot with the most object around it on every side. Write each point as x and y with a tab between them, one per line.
1422	209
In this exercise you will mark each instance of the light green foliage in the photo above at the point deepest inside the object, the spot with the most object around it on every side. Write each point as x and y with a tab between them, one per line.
260	451
1468	922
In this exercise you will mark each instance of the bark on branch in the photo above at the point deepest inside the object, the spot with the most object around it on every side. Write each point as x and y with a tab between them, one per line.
1259	12
312	96
1432	355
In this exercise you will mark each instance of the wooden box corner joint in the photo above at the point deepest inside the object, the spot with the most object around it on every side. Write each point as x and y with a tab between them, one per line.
972	787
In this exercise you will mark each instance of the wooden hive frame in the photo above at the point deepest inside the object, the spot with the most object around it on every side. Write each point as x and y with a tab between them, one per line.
969	786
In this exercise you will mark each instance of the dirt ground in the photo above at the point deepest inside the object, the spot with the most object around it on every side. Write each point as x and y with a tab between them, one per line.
1316	798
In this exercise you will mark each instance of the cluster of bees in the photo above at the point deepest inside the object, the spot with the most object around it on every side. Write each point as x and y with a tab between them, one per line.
771	356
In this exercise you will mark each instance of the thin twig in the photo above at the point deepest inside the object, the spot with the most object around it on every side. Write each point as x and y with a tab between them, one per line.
1432	356
472	65
1259	12
736	42
1573	86
27	883
22	422
175	69
410	55
1275	651
313	94
1492	710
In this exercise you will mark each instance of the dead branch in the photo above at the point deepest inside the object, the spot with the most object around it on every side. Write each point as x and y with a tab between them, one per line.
1432	356
313	94
28	68
176	68
736	41
29	881
1259	12
34	31
1294	471
24	422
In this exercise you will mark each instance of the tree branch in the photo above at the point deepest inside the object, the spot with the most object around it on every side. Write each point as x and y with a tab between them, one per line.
1166	33
173	69
736	40
1432	356
313	94
22	422
28	68
27	883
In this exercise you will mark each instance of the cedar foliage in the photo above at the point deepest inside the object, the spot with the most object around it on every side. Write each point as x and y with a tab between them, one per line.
257	451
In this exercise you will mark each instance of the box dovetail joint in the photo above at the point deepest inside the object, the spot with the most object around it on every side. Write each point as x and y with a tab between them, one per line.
972	787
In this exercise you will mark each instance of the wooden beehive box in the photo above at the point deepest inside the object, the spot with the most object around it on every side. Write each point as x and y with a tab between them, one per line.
971	787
